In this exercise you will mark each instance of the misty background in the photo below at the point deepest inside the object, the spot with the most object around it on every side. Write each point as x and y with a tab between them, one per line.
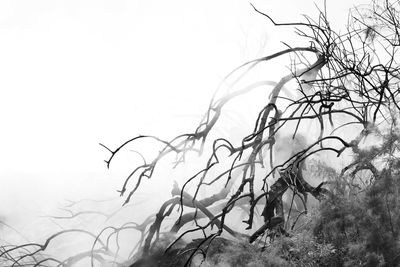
74	74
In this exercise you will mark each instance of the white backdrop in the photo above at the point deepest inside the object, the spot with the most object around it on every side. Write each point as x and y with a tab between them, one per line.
76	73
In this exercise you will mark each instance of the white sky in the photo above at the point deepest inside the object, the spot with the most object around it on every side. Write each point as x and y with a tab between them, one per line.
76	73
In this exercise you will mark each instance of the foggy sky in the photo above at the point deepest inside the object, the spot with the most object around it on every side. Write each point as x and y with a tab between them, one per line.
77	73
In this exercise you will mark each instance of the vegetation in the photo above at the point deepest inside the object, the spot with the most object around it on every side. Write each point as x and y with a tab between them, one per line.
302	208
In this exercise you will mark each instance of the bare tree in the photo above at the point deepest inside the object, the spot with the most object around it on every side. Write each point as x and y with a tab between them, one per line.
345	82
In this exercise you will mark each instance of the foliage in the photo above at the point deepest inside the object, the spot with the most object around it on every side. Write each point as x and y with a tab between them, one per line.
364	227
303	249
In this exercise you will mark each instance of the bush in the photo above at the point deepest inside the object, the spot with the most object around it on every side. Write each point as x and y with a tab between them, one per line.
364	225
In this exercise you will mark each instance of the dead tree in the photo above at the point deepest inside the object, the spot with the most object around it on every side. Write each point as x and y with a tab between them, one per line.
345	81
